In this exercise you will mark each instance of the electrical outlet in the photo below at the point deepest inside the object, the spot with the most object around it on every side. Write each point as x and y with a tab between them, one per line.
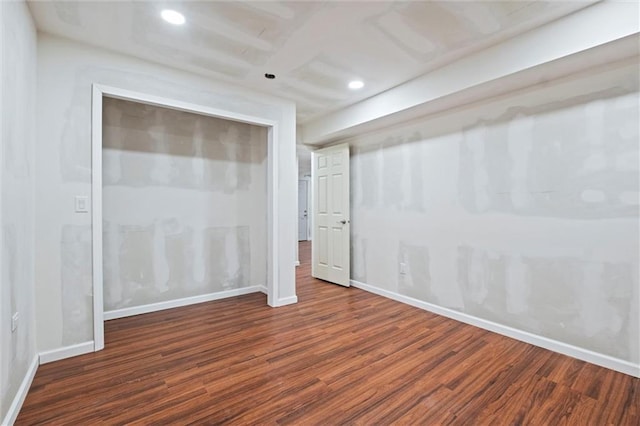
14	321
403	268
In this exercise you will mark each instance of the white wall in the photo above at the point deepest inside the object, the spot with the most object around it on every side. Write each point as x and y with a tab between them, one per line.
66	71
184	204
18	86
521	210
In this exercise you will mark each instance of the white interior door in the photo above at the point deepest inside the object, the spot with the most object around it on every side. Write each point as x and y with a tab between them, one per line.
330	246
303	210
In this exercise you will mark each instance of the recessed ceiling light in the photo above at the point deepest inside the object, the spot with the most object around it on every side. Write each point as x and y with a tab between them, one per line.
173	17
356	84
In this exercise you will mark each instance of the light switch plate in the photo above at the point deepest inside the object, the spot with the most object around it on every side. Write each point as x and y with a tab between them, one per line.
14	321
82	204
403	268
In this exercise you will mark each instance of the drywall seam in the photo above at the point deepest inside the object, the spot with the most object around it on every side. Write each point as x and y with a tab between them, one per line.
153	307
592	357
66	352
23	390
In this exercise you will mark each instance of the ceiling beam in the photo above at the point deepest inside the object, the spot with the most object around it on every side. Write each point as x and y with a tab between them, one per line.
545	52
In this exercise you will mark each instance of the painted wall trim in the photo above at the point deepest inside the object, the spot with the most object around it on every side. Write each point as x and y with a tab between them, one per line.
273	236
96	216
21	395
263	289
66	352
160	306
602	360
287	301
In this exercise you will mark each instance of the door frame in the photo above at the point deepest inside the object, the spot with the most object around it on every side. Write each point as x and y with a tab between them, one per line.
274	260
307	180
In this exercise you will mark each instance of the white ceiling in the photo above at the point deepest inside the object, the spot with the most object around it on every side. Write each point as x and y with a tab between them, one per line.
314	48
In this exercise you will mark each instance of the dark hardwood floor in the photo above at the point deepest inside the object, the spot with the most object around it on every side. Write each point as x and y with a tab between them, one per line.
339	356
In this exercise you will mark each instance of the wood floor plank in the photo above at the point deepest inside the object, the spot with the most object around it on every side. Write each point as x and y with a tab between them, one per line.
339	356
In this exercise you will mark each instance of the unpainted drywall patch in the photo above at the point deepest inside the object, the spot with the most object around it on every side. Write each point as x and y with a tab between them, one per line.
502	169
10	259
414	278
161	262
15	155
481	276
270	22
327	79
369	178
474	177
414	153
518	286
136	260
403	37
75	149
519	145
358	258
584	303
152	146
392	175
228	257
590	301
631	198
77	299
593	196
68	12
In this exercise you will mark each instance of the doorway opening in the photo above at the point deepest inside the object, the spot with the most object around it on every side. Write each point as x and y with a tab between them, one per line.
184	208
231	242
304	207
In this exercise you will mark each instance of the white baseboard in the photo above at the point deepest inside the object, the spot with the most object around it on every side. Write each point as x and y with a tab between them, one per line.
153	307
524	336
23	390
264	289
66	352
286	301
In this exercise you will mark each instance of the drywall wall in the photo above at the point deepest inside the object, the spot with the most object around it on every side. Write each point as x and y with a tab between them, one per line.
184	204
66	72
522	210
18	85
